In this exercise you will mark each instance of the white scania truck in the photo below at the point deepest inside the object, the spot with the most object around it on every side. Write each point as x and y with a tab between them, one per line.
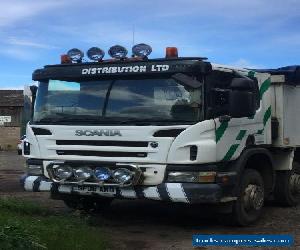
173	129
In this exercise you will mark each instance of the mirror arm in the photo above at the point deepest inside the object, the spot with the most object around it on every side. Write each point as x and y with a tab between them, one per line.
33	90
238	74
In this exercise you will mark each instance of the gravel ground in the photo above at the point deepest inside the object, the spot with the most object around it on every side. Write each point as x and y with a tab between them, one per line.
154	225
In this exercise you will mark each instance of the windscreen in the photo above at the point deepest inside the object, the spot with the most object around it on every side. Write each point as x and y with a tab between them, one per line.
117	101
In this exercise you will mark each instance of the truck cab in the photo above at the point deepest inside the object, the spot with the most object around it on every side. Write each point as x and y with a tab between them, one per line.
176	129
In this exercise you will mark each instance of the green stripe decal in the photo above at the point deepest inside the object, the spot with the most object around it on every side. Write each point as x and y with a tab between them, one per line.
264	87
230	152
251	73
241	135
259	132
267	115
221	130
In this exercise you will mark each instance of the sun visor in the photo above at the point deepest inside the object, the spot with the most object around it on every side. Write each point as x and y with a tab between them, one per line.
119	69
291	73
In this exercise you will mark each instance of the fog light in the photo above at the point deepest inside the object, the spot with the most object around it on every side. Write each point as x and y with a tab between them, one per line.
117	52
95	54
63	172
75	55
34	170
141	50
102	173
83	173
122	175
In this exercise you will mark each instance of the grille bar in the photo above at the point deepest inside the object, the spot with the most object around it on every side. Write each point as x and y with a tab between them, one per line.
102	153
103	143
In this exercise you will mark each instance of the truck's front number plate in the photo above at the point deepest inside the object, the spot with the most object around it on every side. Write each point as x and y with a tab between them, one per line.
94	189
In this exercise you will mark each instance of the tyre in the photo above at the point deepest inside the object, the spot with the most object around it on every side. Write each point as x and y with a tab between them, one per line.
249	204
19	151
287	187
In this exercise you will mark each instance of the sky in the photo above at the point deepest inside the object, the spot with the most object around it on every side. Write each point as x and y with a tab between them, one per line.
245	33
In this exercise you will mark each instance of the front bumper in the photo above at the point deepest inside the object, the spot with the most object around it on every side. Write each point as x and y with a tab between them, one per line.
174	192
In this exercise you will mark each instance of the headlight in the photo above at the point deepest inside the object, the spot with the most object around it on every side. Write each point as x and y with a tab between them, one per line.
75	55
198	177
102	173
34	169
83	173
122	175
63	172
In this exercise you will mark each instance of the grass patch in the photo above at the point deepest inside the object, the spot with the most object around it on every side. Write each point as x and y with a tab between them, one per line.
24	225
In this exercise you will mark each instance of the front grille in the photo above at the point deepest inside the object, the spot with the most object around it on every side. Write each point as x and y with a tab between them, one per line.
102	153
103	143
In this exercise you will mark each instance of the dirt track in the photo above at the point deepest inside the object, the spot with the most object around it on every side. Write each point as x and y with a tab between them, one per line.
154	225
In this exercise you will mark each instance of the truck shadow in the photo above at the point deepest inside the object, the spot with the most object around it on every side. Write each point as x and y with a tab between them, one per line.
145	221
152	213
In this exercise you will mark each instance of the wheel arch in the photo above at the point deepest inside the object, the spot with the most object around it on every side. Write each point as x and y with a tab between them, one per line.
261	160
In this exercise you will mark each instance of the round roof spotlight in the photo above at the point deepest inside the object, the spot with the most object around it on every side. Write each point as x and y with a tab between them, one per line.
118	52
63	172
141	50
83	173
102	173
95	54
122	175
75	55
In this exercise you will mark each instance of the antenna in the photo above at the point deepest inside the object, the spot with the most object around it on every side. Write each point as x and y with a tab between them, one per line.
133	31
133	37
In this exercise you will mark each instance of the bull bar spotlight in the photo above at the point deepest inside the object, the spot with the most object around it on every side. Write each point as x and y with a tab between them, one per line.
83	173
122	175
118	52
95	54
102	173
75	55
63	172
141	50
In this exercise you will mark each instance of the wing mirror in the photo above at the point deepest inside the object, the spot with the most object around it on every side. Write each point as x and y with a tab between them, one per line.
237	101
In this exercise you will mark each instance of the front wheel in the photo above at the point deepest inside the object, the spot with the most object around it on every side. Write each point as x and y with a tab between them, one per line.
248	207
287	188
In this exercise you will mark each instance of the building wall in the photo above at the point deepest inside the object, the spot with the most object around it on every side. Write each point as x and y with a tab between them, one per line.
15	113
9	138
10	132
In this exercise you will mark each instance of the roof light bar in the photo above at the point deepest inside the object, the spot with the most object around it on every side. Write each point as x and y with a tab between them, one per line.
118	52
95	54
141	50
75	55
